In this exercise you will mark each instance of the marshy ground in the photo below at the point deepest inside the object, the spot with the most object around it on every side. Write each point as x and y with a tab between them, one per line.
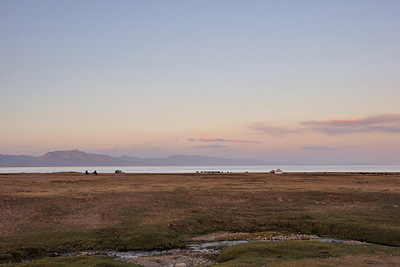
45	215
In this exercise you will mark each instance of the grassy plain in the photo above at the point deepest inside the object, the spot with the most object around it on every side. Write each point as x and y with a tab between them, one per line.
48	214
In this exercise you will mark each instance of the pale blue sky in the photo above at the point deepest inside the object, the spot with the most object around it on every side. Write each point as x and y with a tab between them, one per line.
143	77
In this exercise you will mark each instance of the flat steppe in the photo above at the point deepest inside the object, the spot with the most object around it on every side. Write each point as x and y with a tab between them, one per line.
49	214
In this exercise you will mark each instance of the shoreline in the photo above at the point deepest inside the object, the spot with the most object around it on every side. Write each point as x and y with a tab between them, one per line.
224	169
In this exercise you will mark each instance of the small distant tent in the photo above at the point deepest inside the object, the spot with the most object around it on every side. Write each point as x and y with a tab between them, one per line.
278	171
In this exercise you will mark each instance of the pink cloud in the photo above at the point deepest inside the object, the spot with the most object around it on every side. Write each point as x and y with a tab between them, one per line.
212	139
242	141
211	147
318	148
217	139
386	123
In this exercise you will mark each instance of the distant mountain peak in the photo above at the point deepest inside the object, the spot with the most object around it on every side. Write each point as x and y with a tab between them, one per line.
62	158
74	158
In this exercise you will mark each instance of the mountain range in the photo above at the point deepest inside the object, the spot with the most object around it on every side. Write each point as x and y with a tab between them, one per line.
80	158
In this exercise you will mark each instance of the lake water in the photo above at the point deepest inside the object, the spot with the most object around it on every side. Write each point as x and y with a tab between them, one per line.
193	169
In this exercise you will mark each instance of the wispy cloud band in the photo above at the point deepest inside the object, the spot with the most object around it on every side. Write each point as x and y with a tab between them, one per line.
217	139
318	148
211	147
383	123
386	123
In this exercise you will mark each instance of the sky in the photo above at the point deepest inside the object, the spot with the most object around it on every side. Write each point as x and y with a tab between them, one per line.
294	81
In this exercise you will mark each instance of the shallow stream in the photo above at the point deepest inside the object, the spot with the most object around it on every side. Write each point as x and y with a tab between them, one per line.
199	248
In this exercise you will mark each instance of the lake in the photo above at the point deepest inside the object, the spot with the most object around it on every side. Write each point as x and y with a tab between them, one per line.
193	169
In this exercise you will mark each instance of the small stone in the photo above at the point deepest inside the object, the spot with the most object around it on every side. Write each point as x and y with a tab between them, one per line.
181	264
395	206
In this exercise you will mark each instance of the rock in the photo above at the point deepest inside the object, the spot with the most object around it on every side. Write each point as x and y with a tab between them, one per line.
181	264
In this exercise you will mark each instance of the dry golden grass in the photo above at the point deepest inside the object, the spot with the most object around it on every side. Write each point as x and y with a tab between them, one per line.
77	184
28	201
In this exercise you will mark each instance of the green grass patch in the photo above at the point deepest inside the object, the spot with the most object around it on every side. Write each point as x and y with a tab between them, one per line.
39	245
264	253
371	219
101	261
